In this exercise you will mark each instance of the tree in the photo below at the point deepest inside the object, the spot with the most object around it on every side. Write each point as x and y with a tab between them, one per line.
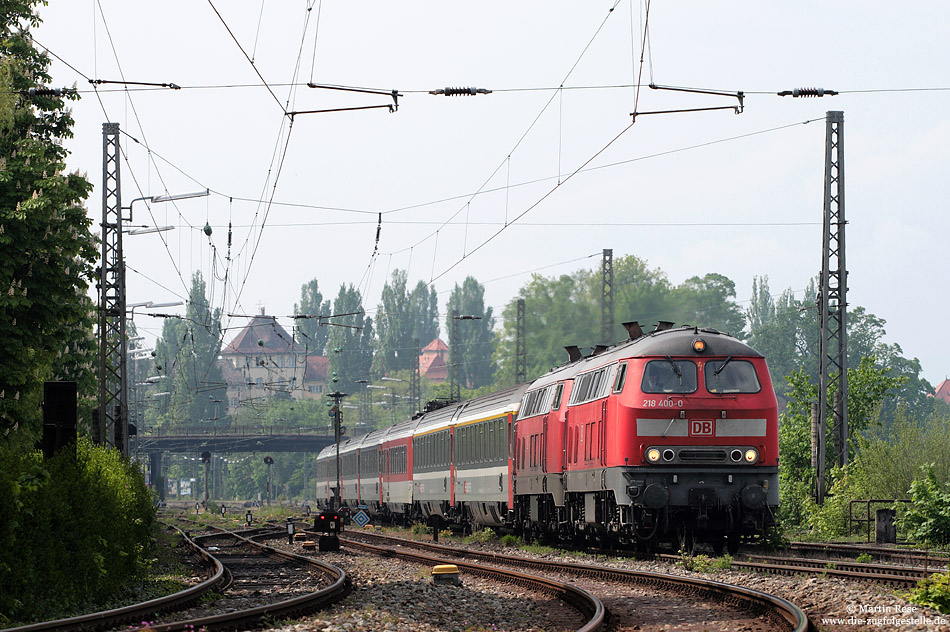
311	332
45	240
475	337
401	319
188	352
350	342
709	301
394	326
424	304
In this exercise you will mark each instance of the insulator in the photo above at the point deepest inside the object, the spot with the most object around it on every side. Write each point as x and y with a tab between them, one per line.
45	92
807	92
454	92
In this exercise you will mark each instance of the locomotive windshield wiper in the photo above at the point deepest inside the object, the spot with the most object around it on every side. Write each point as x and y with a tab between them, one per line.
722	366
676	369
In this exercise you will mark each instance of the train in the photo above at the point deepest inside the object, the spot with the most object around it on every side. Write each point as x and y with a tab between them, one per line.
667	438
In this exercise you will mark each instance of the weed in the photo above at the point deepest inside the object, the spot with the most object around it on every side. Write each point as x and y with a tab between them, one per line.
831	566
704	563
482	536
864	558
933	591
510	540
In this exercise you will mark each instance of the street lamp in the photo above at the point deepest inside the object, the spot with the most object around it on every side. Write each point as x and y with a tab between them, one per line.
455	382
130	381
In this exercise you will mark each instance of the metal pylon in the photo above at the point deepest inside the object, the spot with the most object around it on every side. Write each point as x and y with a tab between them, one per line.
113	378
521	353
607	297
832	299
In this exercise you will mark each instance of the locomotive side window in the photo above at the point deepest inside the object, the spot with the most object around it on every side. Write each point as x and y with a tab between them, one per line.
669	376
557	397
592	385
731	376
621	378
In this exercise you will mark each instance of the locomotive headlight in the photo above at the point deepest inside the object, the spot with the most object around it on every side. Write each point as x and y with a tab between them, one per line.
653	455
699	345
751	456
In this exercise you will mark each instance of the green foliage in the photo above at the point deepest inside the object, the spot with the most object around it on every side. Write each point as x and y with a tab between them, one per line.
927	519
312	333
704	563
933	591
475	337
567	310
72	528
511	540
403	317
48	249
187	353
482	536
864	558
350	346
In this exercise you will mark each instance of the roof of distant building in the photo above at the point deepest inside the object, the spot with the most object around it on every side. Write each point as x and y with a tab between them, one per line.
433	367
262	336
436	346
943	391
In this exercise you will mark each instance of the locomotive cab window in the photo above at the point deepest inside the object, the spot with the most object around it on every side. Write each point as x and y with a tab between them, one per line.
669	376
731	376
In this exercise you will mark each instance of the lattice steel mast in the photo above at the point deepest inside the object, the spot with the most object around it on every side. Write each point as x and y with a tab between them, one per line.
607	297
113	378
832	299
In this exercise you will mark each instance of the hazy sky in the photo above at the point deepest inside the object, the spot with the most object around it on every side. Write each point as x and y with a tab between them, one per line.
691	193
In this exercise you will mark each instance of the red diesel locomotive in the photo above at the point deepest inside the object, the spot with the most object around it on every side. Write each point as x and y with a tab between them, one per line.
670	436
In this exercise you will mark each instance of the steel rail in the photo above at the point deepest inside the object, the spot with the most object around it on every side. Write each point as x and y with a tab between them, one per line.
795	569
748	598
136	612
877	551
251	616
585	602
877	572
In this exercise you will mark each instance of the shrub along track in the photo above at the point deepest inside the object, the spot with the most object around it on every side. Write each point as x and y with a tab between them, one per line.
249	570
642	610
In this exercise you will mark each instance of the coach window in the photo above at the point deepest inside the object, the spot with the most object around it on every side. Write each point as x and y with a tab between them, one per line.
731	376
669	376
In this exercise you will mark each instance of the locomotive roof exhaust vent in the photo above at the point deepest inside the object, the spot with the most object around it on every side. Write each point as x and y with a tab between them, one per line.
598	349
633	329
573	352
663	325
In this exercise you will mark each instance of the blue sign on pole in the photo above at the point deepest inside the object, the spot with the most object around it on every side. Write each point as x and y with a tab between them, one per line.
360	518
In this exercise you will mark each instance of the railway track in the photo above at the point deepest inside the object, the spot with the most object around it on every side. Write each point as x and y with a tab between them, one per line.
928	560
782	613
239	565
580	599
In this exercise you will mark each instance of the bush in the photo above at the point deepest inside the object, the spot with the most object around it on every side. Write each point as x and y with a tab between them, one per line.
73	529
511	540
483	536
933	592
927	519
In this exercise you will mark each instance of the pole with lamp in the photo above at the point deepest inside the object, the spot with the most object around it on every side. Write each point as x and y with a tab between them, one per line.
113	371
455	382
134	354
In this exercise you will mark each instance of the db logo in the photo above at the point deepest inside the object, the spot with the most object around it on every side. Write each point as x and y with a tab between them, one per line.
700	428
